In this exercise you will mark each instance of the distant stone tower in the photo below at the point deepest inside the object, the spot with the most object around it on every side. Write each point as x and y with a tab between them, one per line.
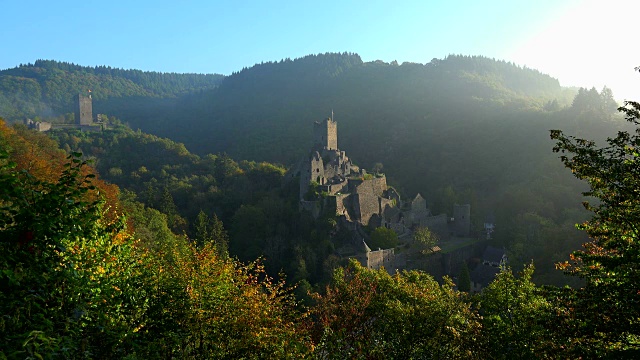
462	218
325	134
84	110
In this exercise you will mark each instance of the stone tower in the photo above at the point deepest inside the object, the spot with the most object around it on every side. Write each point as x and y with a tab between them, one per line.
84	110
462	218
325	135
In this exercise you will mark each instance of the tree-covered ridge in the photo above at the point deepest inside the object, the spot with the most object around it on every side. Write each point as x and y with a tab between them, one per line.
195	193
47	87
500	75
264	112
75	283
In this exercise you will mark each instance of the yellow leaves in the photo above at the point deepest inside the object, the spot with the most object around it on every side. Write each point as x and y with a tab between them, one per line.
121	238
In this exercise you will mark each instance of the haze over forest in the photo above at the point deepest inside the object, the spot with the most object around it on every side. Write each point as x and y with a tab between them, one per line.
178	221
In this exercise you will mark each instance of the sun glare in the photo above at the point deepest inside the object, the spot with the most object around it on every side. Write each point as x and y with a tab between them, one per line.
588	45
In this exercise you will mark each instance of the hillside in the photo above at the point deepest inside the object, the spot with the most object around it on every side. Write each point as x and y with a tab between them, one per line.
271	105
46	87
457	130
91	287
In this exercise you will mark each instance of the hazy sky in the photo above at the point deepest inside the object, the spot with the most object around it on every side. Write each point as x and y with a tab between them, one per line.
580	42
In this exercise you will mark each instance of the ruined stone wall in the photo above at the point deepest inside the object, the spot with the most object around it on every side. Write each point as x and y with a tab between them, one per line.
419	204
437	224
342	206
375	186
449	264
462	219
337	187
311	206
379	258
379	185
43	126
452	262
367	198
317	169
399	228
384	203
365	205
310	170
305	178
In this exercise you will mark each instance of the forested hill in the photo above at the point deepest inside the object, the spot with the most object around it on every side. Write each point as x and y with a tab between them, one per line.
458	130
422	121
47	87
271	105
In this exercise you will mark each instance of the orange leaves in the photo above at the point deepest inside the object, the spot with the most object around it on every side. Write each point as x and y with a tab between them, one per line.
231	307
40	156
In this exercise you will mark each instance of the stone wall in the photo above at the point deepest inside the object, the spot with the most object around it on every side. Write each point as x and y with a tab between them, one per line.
305	178
314	207
335	188
379	185
439	264
366	200
43	126
437	224
376	259
419	204
38	125
452	262
462	219
365	205
384	203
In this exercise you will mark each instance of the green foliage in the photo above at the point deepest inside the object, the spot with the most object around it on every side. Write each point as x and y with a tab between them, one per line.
517	318
607	307
370	314
590	101
498	104
464	278
211	230
150	226
426	238
75	285
37	89
313	193
56	257
383	238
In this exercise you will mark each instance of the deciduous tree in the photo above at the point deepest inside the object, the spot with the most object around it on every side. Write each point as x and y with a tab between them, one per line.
608	307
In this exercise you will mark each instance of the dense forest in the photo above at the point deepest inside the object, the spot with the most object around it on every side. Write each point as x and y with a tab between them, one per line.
46	88
77	281
458	130
197	248
259	210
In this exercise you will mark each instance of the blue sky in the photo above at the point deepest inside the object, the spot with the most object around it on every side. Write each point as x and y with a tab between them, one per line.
580	42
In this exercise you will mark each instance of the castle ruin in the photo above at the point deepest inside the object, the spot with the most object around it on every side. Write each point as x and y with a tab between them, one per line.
84	110
330	182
